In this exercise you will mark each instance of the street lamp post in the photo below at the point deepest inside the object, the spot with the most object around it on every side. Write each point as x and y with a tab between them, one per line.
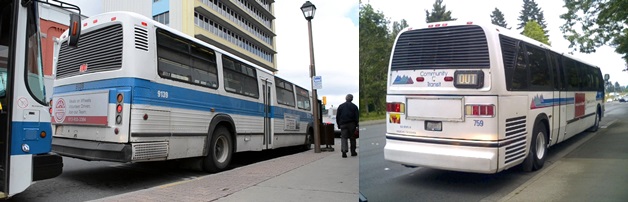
308	12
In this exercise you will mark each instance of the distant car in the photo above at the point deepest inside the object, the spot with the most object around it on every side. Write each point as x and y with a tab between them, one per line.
609	100
622	99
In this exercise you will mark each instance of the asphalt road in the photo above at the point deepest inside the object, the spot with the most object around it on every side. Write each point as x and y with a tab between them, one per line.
381	180
89	180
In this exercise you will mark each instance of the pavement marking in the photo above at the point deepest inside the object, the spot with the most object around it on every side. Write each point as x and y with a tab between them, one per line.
175	183
609	124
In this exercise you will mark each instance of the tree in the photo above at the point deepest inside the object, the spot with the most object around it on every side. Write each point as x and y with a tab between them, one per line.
531	11
396	28
603	22
375	48
617	86
497	18
439	13
609	87
534	31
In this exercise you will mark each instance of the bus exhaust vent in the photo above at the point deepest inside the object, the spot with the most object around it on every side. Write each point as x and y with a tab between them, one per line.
141	38
451	47
150	151
97	51
516	134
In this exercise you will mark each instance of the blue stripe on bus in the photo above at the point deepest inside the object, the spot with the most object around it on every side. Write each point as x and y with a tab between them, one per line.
145	92
27	133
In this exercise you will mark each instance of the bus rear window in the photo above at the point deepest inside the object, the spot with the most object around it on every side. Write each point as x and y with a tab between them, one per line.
452	47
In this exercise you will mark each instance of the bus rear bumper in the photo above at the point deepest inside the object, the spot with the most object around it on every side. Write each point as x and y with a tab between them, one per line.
46	166
92	151
442	156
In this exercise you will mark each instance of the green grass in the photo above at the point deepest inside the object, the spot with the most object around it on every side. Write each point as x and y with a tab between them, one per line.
372	116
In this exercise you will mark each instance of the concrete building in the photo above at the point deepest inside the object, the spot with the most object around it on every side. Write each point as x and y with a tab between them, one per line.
242	27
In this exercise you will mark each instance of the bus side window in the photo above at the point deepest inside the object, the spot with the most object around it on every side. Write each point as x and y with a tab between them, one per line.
559	78
520	74
571	74
540	74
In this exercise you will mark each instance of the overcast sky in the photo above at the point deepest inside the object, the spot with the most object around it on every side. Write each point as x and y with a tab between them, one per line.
335	34
480	11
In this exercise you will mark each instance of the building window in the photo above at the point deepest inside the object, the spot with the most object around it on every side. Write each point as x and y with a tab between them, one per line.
245	24
218	30
163	18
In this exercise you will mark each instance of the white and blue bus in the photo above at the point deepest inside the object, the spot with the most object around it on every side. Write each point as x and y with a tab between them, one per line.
481	98
136	90
25	130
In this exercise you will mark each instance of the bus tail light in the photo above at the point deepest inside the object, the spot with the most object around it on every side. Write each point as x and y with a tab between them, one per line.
420	79
50	107
119	104
469	79
397	107
449	78
480	110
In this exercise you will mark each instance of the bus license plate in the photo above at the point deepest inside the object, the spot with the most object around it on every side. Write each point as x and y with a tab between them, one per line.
434	125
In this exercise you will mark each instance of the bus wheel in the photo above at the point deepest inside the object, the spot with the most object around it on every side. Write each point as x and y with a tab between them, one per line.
538	149
220	151
596	125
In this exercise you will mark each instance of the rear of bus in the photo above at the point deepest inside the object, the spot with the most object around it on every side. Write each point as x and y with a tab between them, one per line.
91	104
442	99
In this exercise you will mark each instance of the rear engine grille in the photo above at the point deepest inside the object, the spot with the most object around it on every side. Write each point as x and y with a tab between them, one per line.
141	38
515	132
98	51
443	47
150	151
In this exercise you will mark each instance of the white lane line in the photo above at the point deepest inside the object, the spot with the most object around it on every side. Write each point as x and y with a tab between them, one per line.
609	124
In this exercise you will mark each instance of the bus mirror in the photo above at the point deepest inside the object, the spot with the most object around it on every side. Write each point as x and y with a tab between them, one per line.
75	29
606	77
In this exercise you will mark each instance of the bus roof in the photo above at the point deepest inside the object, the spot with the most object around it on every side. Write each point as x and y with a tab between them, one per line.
499	30
110	16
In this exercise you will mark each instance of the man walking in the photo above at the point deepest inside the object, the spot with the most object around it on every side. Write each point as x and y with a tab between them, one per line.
347	119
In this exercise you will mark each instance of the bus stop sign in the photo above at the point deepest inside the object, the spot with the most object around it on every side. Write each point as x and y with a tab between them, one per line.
317	82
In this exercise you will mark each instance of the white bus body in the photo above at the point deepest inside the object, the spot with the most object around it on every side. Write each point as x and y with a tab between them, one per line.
25	130
477	98
179	99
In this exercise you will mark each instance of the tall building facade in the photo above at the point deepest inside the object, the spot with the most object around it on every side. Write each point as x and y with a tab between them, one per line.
244	28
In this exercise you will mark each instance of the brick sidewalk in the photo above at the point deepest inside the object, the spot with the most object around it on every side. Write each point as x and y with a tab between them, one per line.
262	175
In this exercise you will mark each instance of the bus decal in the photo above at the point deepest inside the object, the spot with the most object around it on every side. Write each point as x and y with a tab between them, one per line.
580	104
394	118
59	110
403	80
540	102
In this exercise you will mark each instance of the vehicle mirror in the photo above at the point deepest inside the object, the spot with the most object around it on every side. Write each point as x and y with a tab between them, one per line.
607	77
75	29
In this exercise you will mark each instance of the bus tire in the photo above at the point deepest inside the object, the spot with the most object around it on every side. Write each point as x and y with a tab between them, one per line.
596	124
220	151
538	149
